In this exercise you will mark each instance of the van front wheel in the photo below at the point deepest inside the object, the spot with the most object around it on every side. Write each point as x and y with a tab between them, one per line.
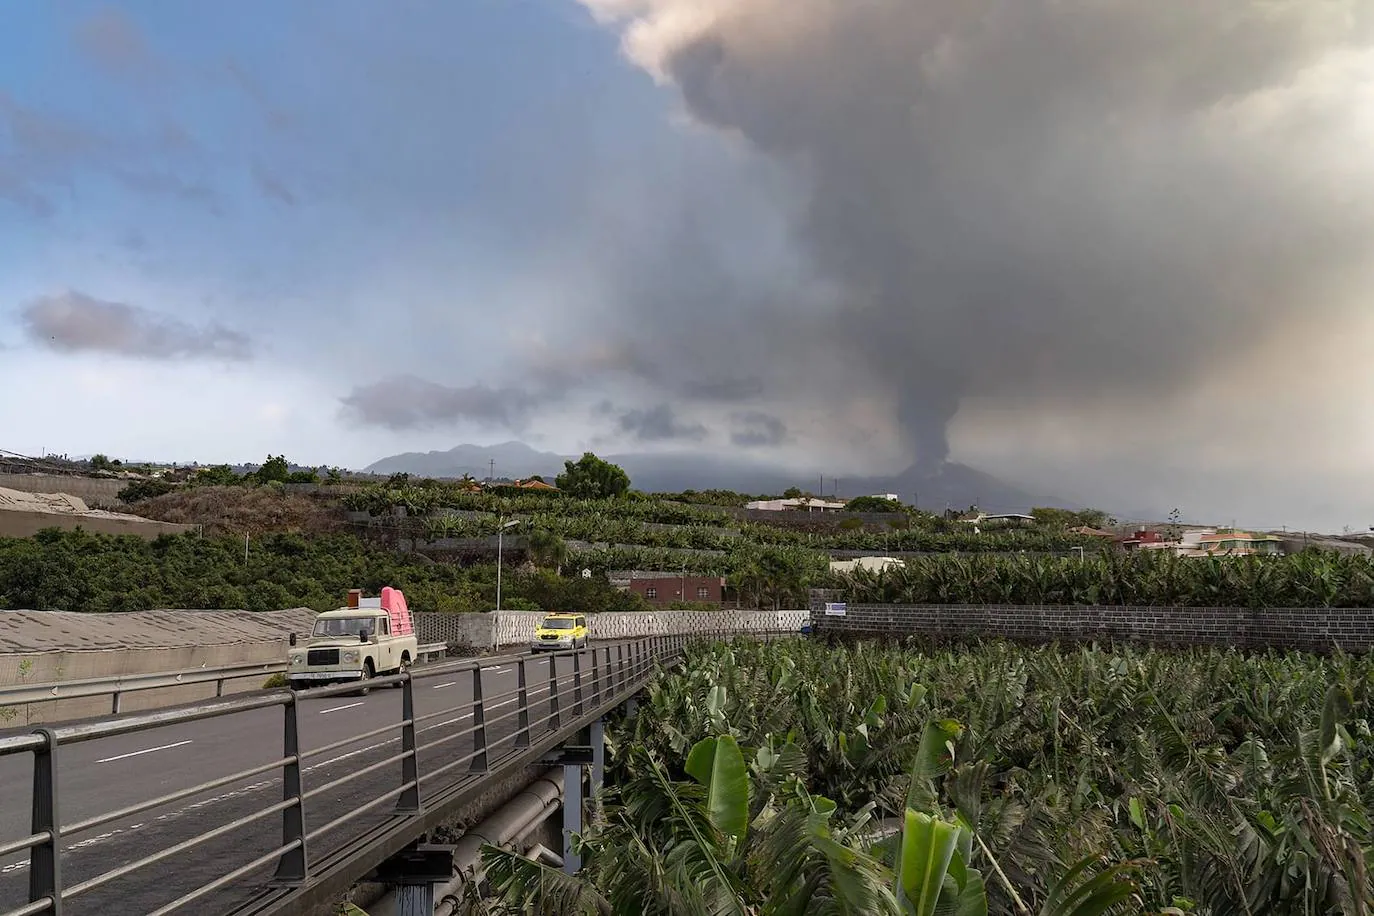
368	673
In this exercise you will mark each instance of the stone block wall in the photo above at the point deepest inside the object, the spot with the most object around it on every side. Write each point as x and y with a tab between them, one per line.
493	630
1318	629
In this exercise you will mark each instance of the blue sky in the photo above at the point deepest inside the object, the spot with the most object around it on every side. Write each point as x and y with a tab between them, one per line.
360	189
1042	239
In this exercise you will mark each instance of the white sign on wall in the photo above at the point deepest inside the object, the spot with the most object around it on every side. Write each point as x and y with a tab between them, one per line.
836	609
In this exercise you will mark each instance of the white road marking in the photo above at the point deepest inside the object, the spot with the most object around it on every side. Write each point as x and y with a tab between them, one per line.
495	668
142	752
337	708
429	728
361	750
442	686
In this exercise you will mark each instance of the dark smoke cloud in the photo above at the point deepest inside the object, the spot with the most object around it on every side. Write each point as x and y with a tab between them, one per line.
724	390
756	429
406	402
74	322
659	424
1044	201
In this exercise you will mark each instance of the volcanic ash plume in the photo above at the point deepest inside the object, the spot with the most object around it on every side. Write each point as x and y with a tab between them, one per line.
1045	199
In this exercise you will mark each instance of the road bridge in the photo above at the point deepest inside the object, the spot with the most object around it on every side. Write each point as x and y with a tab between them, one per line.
275	802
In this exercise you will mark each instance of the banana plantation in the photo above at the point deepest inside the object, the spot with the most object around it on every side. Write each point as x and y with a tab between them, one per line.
795	778
1160	578
649	522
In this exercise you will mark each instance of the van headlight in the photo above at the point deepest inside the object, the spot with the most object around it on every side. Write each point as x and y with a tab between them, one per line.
297	661
351	656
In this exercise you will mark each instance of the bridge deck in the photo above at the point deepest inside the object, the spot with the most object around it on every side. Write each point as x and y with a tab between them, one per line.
110	773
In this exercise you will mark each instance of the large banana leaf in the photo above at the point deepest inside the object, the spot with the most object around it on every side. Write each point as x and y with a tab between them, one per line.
718	764
928	847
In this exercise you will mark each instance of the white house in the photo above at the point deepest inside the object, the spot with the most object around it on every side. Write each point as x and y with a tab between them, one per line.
872	564
800	504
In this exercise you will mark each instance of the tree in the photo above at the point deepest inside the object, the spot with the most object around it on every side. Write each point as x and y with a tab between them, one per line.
275	469
593	478
144	489
546	548
872	504
1067	518
219	475
100	462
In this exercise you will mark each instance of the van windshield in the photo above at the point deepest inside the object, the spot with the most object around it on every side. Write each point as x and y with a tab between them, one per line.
558	623
344	626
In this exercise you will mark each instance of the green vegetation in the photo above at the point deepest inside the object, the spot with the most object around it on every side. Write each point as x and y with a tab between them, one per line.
723	842
1307	579
150	488
594	522
872	504
639	520
1219	783
76	571
1065	518
593	478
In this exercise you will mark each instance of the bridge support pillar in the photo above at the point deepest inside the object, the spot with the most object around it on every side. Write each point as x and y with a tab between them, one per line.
415	900
414	873
572	815
598	743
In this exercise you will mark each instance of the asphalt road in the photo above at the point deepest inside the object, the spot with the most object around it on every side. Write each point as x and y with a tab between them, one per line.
108	774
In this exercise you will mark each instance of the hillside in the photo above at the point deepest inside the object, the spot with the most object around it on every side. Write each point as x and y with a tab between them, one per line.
951	485
243	510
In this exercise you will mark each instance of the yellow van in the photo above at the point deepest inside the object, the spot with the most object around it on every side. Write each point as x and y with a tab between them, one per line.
560	631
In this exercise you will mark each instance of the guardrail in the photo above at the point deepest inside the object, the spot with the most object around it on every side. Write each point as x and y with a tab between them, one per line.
116	686
580	683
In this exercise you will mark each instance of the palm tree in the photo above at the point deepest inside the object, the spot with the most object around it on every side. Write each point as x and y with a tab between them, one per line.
546	548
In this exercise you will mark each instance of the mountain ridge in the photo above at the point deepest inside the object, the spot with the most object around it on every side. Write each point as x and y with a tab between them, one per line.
951	485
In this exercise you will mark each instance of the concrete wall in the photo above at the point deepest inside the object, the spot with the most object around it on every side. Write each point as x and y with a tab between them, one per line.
39	647
94	491
493	630
1318	629
50	667
18	524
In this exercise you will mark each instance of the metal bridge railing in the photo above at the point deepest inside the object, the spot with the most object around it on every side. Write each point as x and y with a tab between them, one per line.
579	682
116	686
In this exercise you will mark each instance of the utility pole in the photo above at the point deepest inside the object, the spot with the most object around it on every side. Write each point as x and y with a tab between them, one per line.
500	533
491	469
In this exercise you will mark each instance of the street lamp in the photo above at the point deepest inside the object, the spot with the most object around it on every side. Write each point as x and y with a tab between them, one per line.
501	530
